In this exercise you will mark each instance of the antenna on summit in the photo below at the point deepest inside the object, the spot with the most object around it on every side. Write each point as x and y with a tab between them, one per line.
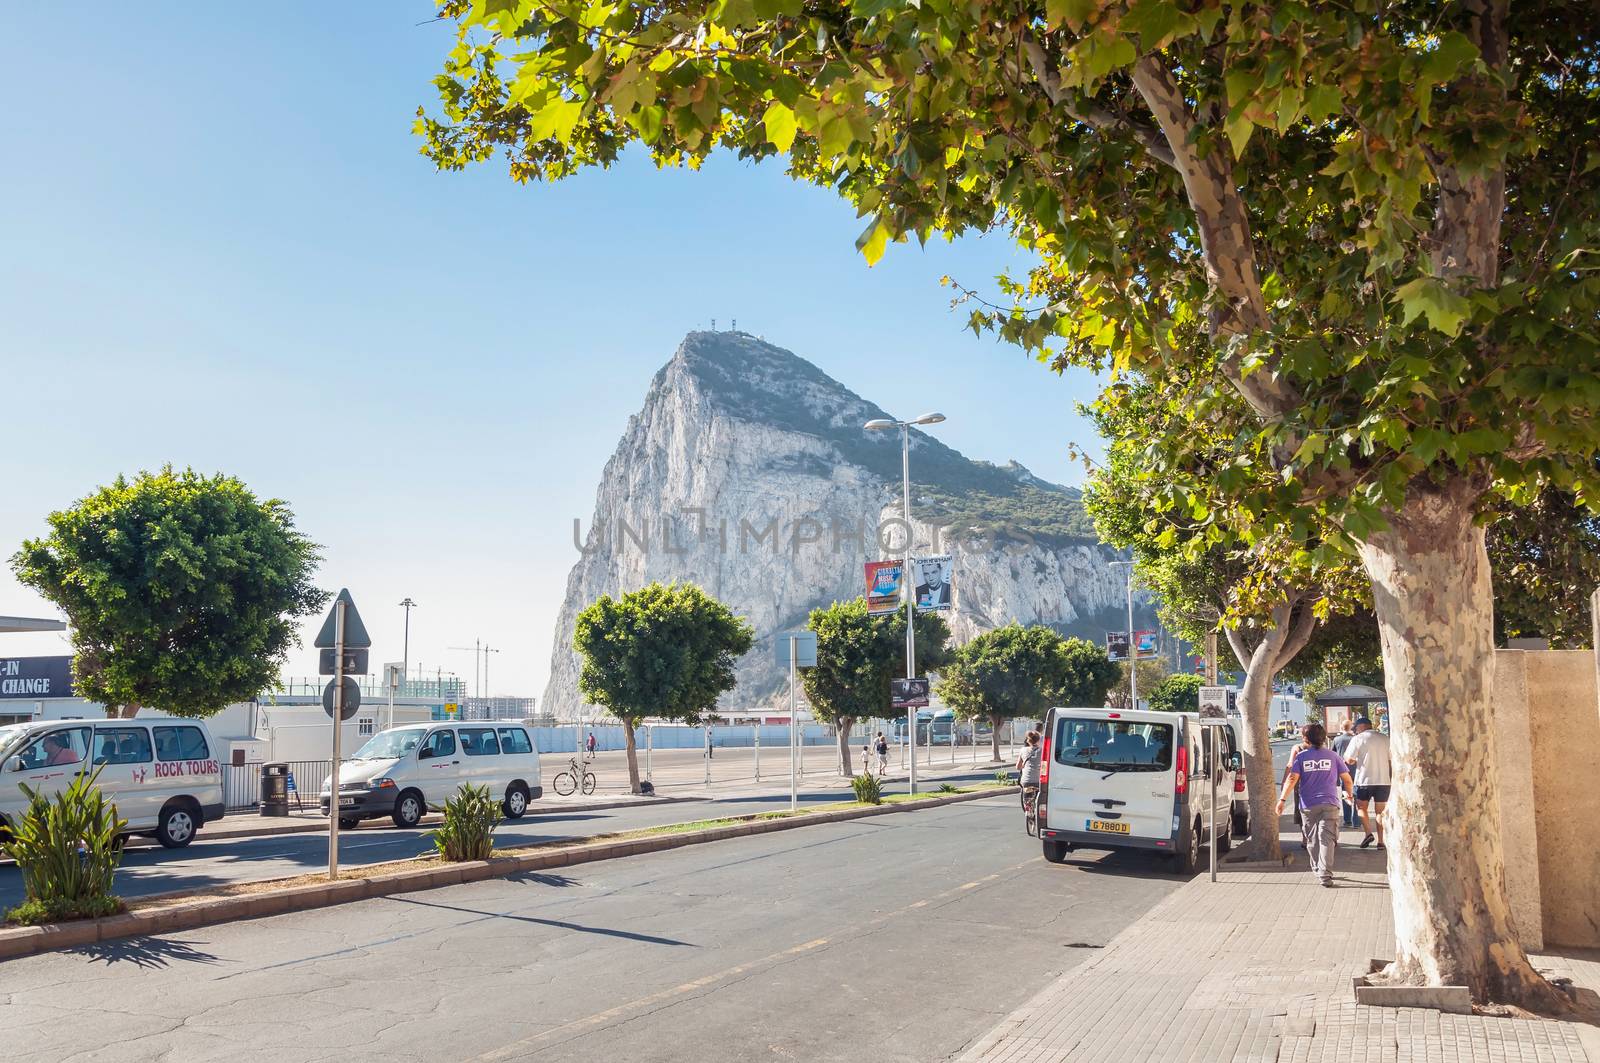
734	327
713	324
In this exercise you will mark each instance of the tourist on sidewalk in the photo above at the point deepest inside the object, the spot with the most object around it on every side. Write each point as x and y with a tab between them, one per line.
881	747
1341	741
1320	776
1368	754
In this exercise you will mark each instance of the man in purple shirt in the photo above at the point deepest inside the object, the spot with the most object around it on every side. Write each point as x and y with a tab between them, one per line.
1321	774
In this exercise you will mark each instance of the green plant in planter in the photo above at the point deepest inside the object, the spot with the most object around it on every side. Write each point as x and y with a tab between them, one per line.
470	817
947	788
68	848
868	790
1005	777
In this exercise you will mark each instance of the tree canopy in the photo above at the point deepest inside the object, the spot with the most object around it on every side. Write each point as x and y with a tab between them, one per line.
664	650
1179	692
857	655
182	590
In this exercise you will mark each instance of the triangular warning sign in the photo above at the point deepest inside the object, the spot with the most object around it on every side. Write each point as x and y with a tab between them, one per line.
355	632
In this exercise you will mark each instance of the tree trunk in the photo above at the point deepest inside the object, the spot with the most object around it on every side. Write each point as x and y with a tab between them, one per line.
121	712
994	737
1432	596
1255	705
844	725
628	723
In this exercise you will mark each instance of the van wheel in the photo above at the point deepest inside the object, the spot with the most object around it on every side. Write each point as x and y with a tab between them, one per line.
176	827
516	802
408	809
1055	852
1241	825
349	822
1188	861
1224	842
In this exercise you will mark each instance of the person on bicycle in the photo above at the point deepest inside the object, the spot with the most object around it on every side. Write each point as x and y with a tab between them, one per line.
881	747
1028	766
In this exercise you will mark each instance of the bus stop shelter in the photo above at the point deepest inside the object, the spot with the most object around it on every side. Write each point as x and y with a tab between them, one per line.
1350	702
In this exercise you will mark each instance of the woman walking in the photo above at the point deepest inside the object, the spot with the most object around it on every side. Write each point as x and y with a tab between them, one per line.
1320	776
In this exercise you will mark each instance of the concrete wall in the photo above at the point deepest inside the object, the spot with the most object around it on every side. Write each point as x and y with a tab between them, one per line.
1547	717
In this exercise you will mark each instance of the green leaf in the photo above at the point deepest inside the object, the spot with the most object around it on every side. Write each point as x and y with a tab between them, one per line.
1428	296
1107	52
555	119
781	126
648	121
873	239
1071	14
1444	62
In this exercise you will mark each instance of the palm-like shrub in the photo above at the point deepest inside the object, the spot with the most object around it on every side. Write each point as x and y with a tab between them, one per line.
68	849
868	790
470	818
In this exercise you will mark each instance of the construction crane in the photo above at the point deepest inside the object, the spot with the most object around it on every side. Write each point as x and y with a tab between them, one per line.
480	651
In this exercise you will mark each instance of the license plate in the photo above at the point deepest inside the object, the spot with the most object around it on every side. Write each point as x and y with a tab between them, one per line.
347	802
1108	826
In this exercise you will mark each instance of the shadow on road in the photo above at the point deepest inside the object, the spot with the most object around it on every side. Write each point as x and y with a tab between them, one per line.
146	953
559	924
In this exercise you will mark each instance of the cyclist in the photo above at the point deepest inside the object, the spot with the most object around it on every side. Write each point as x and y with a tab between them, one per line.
1028	768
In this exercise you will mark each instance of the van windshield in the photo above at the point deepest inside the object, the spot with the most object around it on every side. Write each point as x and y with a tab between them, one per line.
1113	745
390	745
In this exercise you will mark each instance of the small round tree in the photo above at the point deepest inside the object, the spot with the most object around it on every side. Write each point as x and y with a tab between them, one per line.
183	590
857	655
665	650
1017	672
1179	692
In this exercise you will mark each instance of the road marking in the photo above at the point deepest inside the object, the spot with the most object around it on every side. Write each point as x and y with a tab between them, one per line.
600	1018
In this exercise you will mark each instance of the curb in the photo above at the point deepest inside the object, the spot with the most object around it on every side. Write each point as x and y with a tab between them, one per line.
16	942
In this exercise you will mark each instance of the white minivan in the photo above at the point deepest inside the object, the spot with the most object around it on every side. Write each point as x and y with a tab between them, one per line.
161	773
1114	779
404	771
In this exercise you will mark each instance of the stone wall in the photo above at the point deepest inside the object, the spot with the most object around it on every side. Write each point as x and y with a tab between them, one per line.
1547	717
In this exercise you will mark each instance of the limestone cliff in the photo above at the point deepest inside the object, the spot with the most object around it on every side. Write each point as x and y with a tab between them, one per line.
748	472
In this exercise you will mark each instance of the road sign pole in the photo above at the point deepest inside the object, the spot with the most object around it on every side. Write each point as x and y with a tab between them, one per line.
338	726
758	752
1215	774
794	779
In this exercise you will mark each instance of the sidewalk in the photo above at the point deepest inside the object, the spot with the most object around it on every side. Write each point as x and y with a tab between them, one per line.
1258	967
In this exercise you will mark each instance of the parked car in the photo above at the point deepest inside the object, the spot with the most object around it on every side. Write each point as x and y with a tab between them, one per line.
404	771
1114	779
160	772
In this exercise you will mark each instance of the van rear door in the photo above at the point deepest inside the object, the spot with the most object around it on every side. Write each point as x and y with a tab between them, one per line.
1112	774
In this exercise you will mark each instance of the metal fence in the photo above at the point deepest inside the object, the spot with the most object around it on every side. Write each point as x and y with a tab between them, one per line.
241	786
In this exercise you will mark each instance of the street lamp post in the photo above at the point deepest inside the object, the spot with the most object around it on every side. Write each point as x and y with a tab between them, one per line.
1133	650
405	652
882	424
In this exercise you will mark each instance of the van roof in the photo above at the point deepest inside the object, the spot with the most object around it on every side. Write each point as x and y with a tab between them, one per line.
1141	715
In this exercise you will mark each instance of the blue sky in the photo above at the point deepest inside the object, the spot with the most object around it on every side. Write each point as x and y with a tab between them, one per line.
219	247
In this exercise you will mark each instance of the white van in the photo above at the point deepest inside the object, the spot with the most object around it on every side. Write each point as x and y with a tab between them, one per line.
404	771
1128	780
161	773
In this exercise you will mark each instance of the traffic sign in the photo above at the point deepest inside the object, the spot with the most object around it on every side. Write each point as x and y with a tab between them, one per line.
805	649
1213	704
355	632
355	661
352	698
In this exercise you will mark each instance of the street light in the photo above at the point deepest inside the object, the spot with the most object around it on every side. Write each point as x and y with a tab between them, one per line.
1133	650
405	655
883	424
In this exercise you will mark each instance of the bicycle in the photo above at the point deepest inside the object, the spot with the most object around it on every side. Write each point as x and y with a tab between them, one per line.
1030	810
577	776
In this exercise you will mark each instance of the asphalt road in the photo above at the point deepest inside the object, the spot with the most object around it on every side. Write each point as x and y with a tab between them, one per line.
210	862
896	938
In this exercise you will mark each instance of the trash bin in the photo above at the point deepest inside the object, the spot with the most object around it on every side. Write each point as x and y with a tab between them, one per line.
274	789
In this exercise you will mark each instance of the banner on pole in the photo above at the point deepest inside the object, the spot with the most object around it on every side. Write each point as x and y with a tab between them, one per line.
933	585
884	583
908	693
1144	644
1117	645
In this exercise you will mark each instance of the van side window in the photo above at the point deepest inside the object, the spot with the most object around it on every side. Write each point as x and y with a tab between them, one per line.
514	740
479	742
122	745
441	744
180	743
56	749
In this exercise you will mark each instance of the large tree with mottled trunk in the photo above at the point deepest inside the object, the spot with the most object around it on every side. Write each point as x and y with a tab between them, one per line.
184	591
665	650
1373	222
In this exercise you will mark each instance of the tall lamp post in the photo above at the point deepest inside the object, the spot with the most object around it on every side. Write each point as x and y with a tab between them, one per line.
883	424
405	653
1133	650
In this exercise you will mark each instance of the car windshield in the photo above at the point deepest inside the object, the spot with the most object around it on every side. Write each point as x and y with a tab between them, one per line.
9	736
1113	745
390	745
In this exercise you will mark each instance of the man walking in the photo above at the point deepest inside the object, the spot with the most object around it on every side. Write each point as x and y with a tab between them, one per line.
1368	754
1340	743
1320	777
